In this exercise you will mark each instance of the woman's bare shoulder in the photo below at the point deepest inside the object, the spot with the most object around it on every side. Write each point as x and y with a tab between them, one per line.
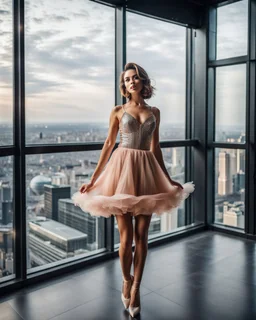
116	112
155	110
117	108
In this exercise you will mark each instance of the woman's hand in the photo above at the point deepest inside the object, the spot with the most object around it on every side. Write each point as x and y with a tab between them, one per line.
175	183
86	187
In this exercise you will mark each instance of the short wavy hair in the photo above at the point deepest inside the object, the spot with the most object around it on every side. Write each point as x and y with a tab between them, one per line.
147	91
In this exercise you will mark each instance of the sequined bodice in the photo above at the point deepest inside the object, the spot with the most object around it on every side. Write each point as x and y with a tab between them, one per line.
136	135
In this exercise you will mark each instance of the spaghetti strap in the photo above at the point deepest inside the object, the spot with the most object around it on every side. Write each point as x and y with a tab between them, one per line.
123	107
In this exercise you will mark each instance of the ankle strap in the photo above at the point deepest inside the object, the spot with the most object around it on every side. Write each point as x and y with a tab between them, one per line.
134	284
131	277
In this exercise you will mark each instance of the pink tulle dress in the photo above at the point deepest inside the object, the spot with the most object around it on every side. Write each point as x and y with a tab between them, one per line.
132	180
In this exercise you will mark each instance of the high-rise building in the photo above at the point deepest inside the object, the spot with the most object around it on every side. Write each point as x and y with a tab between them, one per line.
169	221
58	235
74	217
174	157
155	225
5	193
2	259
240	160
239	181
52	194
233	217
7	212
59	179
225	176
9	262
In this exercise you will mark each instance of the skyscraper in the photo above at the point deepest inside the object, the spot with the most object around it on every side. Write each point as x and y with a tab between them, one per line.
225	175
72	216
52	193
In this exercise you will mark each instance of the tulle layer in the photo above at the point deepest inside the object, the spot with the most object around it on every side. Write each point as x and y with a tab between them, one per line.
132	181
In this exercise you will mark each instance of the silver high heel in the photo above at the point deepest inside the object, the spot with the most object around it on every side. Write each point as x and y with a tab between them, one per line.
135	310
126	301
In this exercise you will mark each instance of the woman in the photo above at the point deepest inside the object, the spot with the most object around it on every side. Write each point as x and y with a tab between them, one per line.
135	182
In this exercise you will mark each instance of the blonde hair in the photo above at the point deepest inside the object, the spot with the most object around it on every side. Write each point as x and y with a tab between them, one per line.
147	90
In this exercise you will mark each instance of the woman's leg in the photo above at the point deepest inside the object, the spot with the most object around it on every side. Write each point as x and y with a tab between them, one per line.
125	228
142	223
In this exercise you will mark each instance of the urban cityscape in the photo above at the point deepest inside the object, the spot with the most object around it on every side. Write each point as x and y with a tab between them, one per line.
57	229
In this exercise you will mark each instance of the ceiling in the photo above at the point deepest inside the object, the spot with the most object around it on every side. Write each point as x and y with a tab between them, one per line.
187	12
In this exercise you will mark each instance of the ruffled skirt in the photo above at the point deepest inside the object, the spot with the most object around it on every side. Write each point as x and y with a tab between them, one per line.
132	181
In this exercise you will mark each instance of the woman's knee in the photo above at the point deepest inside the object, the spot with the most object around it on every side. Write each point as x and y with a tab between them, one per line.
126	240
141	237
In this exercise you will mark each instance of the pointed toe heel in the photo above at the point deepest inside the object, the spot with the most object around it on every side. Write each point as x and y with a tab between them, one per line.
126	301
134	311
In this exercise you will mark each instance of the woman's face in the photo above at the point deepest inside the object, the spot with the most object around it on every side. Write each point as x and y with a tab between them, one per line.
132	82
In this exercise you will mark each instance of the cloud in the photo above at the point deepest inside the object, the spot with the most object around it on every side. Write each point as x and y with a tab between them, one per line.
5	33
232	30
5	12
38	20
58	18
82	15
70	59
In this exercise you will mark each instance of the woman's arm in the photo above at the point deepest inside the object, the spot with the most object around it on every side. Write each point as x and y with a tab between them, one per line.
155	146
108	144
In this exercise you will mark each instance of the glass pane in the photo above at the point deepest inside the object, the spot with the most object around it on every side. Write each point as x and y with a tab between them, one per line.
6	73
230	187
57	229
6	217
174	159
69	55
230	103
160	48
232	29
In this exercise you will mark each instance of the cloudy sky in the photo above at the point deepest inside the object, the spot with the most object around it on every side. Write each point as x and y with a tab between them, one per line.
70	61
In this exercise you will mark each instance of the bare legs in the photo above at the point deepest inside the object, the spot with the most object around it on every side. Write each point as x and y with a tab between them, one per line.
125	250
142	223
141	246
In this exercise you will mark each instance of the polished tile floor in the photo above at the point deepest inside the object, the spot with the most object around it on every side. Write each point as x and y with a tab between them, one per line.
206	276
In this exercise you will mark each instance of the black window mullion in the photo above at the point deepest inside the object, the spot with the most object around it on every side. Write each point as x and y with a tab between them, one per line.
188	117
20	243
250	178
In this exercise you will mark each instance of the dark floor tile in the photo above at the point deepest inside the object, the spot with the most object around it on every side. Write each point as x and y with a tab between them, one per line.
51	301
7	313
154	306
159	278
103	308
206	276
31	308
106	277
211	302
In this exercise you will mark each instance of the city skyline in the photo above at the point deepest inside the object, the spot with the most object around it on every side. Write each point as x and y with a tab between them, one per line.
70	59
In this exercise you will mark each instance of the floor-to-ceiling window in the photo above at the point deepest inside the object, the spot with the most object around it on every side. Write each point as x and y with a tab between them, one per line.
7	269
160	48
228	58
69	90
69	93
